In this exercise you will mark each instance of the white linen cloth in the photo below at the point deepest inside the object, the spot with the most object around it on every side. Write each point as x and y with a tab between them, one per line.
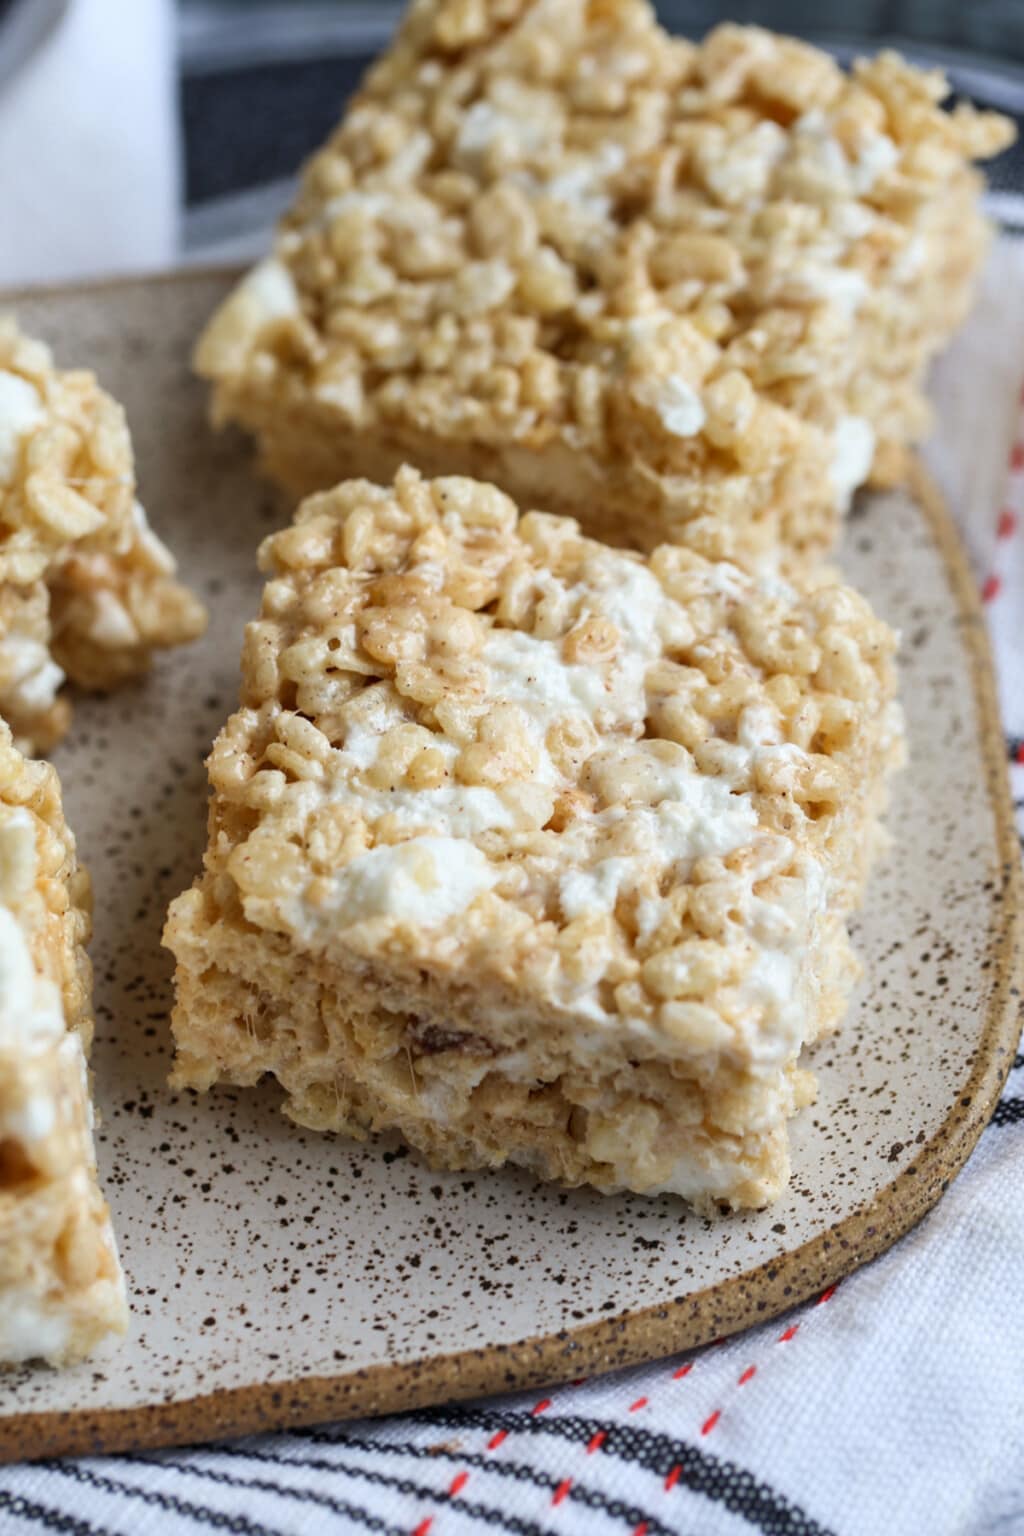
892	1407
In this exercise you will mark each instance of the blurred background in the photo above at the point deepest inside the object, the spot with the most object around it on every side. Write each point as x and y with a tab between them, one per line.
138	133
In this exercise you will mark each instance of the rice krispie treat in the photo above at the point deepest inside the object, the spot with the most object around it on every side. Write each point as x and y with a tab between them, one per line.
61	1288
87	590
532	849
683	293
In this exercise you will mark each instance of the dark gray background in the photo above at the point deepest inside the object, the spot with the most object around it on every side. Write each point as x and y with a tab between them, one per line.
263	82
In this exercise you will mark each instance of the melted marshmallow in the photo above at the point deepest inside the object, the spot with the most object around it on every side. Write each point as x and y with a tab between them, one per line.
21	411
853	453
680	408
423	881
30	679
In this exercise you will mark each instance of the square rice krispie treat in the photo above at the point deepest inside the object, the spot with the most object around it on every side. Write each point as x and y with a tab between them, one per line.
61	1288
87	590
682	293
532	849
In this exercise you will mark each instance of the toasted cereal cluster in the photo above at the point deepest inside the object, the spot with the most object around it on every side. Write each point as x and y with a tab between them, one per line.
534	849
87	590
684	293
61	1288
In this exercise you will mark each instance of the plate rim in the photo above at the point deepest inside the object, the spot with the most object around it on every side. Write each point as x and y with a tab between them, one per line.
678	1323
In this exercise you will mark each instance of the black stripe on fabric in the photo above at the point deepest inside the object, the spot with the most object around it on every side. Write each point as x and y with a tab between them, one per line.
1008	1112
47	1518
214	1519
1015	748
1018	1061
722	1482
353	1512
485	1513
518	1471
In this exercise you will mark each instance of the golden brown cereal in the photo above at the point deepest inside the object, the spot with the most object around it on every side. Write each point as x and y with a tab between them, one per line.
87	590
534	849
682	293
61	1288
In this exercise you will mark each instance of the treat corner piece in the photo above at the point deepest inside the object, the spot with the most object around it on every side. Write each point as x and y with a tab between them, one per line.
87	589
685	293
535	850
61	1286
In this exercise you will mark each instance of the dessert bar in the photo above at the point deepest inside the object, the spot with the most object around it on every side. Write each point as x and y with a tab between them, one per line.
87	590
684	293
531	849
61	1288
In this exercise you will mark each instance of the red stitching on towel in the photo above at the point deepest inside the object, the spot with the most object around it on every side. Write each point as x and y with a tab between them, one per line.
460	1479
596	1441
751	1370
1007	521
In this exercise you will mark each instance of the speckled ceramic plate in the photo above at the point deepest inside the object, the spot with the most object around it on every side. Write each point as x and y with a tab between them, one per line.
281	1278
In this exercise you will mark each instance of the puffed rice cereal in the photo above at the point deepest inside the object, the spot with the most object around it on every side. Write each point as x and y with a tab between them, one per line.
61	1287
683	293
532	849
87	590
